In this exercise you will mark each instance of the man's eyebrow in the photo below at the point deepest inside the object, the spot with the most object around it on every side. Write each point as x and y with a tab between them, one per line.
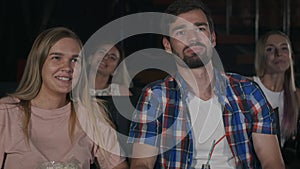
178	27
183	25
200	24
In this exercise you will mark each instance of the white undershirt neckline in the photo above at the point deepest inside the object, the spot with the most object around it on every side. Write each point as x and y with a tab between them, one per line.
207	125
209	119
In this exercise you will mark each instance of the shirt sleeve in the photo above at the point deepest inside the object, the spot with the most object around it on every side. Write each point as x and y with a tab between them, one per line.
2	132
109	155
264	119
8	118
144	127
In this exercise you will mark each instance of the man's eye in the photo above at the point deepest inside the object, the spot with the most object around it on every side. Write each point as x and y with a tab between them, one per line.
179	33
200	29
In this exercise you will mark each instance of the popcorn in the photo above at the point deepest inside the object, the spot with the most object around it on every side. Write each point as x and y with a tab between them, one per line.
58	165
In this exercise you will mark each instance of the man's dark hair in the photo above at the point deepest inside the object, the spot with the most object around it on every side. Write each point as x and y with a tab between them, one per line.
182	6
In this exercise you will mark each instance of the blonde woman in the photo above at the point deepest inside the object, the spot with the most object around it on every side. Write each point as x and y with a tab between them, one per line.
275	76
50	119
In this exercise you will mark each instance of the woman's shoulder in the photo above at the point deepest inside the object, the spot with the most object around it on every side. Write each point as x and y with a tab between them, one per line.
123	90
9	100
8	105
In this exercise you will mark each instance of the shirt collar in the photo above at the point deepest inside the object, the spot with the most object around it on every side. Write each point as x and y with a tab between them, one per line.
220	82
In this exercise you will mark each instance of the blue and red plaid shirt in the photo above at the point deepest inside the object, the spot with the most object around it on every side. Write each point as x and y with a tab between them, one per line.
162	119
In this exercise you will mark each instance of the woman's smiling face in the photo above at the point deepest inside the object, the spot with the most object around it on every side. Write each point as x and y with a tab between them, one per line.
277	52
58	68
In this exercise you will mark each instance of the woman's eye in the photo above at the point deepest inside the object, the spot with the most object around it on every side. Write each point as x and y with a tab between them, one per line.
75	59
55	57
112	57
101	52
269	49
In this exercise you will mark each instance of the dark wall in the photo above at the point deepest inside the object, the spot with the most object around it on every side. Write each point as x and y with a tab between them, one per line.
22	20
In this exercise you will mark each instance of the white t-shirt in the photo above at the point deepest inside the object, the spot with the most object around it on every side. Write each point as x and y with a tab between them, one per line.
207	126
112	90
274	98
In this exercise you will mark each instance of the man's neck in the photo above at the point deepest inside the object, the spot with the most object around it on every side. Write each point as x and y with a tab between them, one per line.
199	79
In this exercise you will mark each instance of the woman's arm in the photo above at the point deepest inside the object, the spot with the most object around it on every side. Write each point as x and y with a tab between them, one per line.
268	152
122	165
144	156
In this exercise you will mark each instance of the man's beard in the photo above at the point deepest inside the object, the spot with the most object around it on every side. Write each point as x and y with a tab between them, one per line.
196	60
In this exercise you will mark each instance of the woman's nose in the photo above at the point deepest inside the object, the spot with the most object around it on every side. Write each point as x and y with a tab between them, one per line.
67	66
277	52
106	57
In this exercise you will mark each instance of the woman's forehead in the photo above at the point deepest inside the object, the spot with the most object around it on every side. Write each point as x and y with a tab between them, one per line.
276	39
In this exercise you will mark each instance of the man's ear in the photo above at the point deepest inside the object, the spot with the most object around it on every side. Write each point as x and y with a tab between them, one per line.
167	45
213	39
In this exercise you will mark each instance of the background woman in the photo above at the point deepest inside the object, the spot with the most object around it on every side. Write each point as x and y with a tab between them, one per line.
109	81
275	76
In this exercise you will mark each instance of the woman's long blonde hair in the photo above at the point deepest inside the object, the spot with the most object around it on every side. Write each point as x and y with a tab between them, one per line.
290	115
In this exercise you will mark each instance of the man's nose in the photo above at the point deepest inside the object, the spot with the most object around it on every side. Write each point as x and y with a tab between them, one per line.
192	36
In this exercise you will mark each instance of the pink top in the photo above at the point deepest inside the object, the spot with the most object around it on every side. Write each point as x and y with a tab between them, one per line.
49	140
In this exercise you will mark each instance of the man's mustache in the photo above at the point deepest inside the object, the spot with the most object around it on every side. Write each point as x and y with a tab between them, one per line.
194	44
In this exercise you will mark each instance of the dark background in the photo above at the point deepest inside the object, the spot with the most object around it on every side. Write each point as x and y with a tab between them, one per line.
23	20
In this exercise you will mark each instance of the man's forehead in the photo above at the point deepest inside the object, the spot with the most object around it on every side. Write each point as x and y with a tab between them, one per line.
192	15
190	18
184	24
180	22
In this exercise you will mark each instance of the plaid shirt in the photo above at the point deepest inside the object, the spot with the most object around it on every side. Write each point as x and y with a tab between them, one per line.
162	119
